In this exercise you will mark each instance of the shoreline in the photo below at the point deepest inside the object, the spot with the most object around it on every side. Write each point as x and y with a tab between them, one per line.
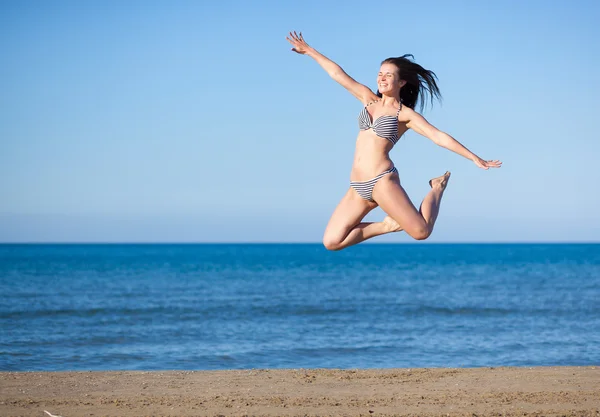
506	391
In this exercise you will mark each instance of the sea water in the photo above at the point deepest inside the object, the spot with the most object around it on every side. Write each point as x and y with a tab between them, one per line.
241	306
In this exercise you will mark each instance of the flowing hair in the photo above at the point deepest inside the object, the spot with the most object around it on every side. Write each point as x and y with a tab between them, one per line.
418	80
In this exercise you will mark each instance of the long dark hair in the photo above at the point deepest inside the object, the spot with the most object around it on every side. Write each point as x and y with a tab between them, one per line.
417	79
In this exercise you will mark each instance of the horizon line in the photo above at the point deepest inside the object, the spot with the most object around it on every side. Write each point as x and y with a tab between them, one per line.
557	242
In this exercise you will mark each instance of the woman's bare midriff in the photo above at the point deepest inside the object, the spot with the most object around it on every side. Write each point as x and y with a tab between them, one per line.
371	156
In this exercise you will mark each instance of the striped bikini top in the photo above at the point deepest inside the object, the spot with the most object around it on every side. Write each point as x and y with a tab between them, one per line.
385	126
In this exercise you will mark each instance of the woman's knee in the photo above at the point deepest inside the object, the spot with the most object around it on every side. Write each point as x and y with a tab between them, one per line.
332	239
421	232
331	243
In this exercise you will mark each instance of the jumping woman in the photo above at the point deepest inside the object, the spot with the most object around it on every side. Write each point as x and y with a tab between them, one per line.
374	180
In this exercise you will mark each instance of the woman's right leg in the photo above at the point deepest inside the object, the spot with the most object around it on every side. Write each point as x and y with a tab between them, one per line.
345	228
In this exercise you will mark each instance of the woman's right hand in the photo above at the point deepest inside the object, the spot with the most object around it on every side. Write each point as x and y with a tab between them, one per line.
299	44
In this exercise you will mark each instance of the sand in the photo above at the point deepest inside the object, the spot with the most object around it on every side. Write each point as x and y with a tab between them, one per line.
539	391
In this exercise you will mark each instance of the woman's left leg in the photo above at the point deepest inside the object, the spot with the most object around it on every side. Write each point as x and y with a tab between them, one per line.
393	200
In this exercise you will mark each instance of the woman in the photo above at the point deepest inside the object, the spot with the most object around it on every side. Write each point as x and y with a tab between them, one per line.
374	180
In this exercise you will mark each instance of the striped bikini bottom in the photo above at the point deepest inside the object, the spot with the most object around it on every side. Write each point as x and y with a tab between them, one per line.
365	188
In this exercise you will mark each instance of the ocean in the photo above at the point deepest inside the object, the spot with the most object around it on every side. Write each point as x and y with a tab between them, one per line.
243	306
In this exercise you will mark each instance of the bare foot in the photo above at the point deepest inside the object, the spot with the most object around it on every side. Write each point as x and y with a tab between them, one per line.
440	182
391	225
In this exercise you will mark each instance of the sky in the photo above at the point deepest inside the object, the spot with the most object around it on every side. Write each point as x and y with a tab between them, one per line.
192	121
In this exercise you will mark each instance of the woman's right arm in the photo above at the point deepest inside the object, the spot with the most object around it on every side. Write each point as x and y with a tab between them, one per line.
358	90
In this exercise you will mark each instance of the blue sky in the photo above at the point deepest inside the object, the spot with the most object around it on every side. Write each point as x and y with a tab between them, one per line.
156	121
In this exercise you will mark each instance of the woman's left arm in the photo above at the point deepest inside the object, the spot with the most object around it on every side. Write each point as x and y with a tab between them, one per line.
418	123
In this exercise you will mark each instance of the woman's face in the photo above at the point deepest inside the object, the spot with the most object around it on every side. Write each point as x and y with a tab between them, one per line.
388	79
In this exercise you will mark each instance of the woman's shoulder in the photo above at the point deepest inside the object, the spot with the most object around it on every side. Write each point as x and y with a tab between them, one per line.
371	101
406	114
369	97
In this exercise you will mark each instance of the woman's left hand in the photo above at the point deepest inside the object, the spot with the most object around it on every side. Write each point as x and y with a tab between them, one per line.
486	164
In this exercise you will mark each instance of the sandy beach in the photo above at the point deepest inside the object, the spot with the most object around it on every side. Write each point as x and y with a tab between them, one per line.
539	391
